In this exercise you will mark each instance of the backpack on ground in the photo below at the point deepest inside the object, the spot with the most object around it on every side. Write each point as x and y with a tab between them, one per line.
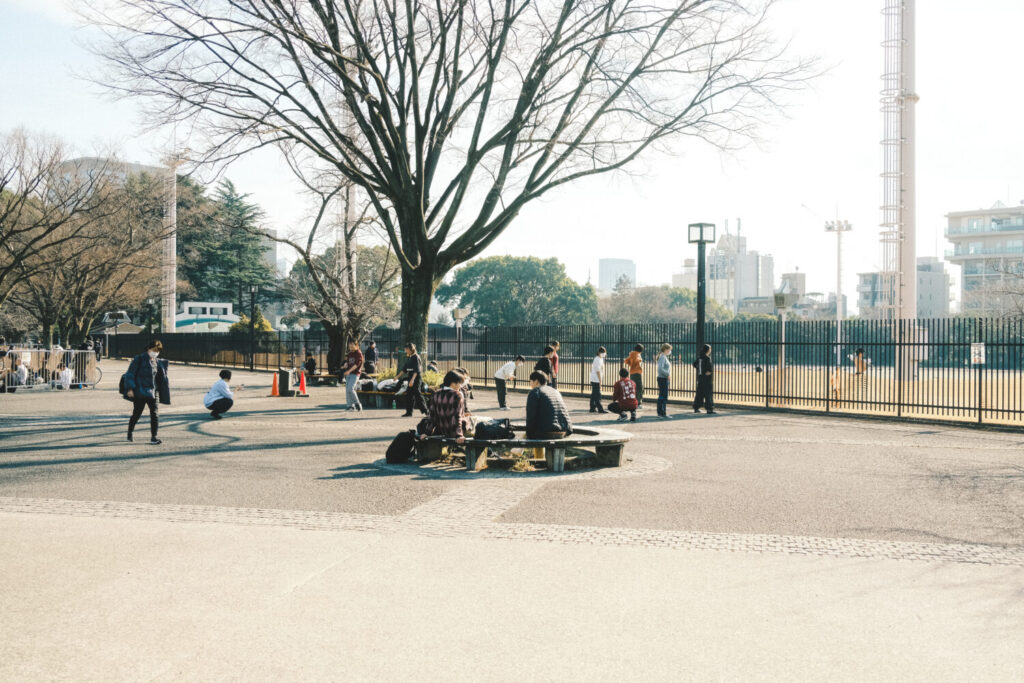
491	430
402	448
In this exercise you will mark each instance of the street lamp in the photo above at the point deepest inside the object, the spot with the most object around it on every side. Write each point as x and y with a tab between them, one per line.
700	234
459	314
253	289
149	318
839	227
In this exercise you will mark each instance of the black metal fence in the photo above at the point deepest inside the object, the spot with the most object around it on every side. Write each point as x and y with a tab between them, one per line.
909	368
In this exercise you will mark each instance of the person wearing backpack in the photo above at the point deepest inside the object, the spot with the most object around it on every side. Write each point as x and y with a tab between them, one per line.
635	364
146	384
705	381
624	397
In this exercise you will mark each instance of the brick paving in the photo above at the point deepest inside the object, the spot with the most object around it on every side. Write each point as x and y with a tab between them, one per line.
469	511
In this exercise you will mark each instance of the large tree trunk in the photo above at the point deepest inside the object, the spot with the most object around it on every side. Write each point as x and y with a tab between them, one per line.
336	344
417	291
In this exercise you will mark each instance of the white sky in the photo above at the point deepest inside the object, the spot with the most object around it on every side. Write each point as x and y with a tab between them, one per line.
825	155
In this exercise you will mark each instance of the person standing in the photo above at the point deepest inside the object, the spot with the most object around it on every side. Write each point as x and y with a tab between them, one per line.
353	364
546	414
544	363
664	373
624	397
370	358
412	372
220	398
554	364
596	375
705	381
503	376
635	364
145	384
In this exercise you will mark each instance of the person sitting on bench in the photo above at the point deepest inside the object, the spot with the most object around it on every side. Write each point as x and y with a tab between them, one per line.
220	398
310	366
447	410
546	414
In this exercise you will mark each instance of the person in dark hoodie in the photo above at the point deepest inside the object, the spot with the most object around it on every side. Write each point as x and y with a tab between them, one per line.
145	384
546	414
544	364
705	381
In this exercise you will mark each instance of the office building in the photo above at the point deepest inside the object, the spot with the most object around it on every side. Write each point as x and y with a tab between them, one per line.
733	273
988	245
610	270
933	295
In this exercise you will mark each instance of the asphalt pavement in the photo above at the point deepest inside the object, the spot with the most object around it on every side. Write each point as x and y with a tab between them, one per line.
276	545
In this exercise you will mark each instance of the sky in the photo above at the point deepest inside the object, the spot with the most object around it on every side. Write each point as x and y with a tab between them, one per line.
820	162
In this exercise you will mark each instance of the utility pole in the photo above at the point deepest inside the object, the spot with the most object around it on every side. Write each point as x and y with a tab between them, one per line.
839	227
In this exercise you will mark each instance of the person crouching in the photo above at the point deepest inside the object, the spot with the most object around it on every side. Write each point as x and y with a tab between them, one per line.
220	398
624	398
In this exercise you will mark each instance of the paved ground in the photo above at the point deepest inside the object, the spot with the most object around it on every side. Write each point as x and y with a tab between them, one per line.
276	544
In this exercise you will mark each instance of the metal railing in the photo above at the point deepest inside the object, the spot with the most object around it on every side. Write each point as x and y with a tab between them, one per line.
24	369
909	368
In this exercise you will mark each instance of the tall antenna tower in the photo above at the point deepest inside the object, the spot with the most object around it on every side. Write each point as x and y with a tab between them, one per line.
169	279
898	221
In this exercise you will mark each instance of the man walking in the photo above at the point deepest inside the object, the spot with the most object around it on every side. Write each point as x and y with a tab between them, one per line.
505	374
353	364
596	375
664	373
145	384
370	358
412	371
705	381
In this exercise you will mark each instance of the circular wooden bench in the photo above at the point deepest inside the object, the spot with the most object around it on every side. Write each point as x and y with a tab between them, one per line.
607	445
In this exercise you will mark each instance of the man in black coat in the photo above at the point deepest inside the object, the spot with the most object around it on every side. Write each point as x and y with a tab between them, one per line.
145	384
705	381
546	414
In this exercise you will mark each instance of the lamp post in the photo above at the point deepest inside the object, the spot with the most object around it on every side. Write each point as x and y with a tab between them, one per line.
839	227
458	314
252	326
700	234
149	317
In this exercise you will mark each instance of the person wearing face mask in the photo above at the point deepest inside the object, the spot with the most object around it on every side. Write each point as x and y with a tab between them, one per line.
146	384
596	374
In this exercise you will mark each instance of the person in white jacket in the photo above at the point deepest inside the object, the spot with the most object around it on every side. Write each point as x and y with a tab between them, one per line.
596	375
503	376
220	397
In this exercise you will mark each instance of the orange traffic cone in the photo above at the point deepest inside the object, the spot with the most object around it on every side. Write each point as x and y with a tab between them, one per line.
273	388
302	383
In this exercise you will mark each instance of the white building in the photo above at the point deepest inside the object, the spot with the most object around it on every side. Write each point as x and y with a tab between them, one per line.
733	273
205	316
609	270
989	245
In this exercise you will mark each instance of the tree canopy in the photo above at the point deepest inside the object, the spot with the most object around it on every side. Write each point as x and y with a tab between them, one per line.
451	116
516	290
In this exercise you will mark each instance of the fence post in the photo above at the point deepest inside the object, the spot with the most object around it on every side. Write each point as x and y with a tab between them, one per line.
900	361
980	376
583	357
767	367
487	373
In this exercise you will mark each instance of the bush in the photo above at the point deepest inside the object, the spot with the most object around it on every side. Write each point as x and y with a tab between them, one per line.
430	378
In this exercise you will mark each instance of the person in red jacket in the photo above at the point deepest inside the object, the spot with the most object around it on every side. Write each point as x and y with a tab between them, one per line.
554	365
624	397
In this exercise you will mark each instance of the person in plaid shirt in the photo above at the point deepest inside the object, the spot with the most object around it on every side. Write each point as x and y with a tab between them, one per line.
447	409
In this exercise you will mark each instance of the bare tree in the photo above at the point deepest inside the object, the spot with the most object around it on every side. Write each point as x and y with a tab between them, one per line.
452	115
349	288
111	262
1002	297
46	201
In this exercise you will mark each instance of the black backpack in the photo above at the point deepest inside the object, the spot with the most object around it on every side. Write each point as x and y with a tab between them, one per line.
491	430
402	448
123	388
